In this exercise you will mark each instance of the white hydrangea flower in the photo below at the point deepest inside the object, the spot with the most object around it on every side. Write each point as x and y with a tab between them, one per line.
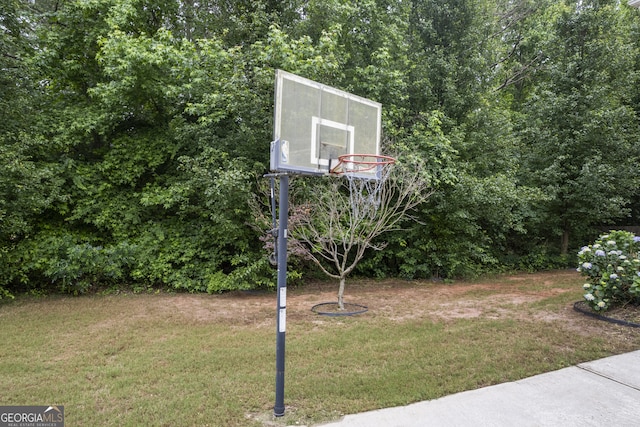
584	250
589	297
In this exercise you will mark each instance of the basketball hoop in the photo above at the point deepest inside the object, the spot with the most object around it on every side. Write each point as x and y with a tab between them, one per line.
367	175
348	164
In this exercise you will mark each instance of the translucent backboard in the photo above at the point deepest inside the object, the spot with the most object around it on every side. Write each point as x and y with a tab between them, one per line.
315	123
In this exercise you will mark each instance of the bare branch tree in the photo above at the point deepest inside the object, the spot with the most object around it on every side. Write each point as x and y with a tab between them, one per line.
340	218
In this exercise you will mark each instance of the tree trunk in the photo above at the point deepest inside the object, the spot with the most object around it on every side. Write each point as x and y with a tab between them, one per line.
564	246
341	294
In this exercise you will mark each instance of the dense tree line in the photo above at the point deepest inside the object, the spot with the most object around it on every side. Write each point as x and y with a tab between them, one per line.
134	133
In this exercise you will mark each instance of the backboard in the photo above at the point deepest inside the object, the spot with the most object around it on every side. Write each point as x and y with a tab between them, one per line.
315	123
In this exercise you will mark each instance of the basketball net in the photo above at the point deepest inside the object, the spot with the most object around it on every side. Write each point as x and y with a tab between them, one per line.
367	175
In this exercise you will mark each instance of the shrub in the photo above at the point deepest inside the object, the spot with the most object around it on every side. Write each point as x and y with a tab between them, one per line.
612	267
85	265
5	293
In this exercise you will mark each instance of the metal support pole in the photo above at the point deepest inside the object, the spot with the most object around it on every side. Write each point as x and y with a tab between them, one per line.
281	323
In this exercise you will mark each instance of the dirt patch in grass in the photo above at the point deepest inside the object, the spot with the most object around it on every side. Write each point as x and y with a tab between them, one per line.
538	297
520	297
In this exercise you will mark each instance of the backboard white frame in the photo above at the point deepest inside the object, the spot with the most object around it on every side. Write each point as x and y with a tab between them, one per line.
317	121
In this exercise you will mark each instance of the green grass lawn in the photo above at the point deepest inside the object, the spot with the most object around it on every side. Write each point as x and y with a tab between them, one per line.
187	360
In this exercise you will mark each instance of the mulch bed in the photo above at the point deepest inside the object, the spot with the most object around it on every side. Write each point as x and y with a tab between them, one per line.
627	314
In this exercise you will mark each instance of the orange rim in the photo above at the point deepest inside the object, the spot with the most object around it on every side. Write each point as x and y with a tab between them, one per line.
360	163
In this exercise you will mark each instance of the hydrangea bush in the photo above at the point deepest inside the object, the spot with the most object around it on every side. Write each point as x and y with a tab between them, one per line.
612	267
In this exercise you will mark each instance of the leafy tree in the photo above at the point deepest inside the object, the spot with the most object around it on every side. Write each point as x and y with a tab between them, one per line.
132	130
579	134
467	224
29	182
449	43
632	94
520	31
157	138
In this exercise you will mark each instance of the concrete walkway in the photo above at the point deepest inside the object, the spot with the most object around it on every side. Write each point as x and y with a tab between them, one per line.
604	392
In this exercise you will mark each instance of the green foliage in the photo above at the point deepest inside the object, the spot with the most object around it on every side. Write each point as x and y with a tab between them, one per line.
131	132
157	138
612	267
535	257
27	187
81	266
247	274
579	134
69	263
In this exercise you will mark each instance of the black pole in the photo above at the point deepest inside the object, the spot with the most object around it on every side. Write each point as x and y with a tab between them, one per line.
281	322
